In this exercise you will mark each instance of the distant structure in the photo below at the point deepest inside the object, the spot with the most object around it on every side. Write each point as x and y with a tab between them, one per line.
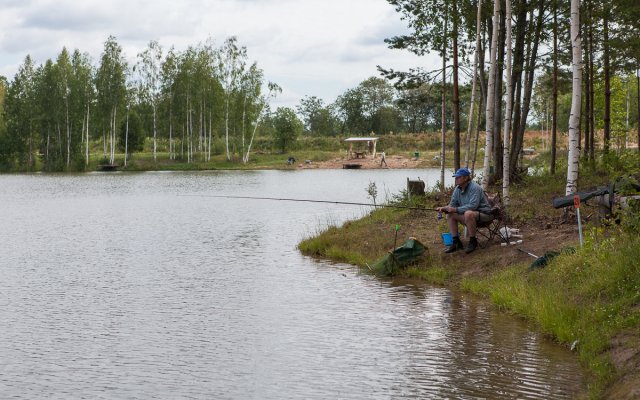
368	142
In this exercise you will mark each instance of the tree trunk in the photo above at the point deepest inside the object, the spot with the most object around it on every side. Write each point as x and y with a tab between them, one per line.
226	127
87	141
456	91
587	103
444	108
68	133
521	29
210	137
491	90
171	147
574	118
480	109
607	84
507	113
554	127
155	132
112	158
626	125
126	140
473	87
497	119
244	117
592	96
528	87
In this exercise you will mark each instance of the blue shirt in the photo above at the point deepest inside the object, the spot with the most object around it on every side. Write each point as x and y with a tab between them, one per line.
471	198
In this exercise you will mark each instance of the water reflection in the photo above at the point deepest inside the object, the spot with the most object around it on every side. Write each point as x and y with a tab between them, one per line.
114	286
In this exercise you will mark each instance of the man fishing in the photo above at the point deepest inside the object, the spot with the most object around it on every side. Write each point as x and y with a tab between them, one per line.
468	206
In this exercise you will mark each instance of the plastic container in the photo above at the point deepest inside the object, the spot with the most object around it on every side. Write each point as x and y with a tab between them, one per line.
447	239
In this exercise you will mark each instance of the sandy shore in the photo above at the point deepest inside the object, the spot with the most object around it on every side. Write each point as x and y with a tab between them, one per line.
393	162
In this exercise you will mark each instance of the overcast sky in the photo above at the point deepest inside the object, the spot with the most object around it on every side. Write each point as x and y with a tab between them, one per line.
309	47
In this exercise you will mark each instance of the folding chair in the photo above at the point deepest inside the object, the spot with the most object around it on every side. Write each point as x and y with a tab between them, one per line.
491	229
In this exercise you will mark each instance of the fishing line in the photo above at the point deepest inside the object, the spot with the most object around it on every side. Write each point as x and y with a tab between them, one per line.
309	201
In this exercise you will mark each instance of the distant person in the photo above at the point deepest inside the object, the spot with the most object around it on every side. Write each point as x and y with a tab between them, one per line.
383	160
468	206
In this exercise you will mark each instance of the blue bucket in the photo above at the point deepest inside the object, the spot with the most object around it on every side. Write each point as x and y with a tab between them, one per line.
447	239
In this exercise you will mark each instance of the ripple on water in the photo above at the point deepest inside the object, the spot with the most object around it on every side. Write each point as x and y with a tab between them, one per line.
115	287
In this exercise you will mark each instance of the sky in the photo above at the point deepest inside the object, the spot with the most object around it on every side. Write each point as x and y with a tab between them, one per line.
308	47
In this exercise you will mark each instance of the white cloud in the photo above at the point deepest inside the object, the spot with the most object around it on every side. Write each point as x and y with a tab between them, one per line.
311	47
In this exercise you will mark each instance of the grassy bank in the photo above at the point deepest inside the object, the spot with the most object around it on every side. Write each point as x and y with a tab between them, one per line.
588	300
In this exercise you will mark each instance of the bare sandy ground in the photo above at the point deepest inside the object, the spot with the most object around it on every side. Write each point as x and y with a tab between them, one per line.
394	162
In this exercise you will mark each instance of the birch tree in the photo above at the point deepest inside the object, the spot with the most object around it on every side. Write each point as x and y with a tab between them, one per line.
576	99
474	80
149	64
83	95
554	128
48	104
274	89
231	66
63	80
443	144
132	96
110	87
491	95
20	107
169	71
507	114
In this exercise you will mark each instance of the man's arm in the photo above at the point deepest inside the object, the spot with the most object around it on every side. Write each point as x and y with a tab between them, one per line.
453	202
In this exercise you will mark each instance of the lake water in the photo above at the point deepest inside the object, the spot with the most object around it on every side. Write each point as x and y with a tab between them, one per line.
138	286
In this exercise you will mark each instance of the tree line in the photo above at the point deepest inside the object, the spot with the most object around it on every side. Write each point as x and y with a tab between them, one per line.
538	53
202	101
185	100
212	100
189	105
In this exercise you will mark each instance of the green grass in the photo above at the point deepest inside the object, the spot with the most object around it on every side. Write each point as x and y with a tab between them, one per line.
358	242
586	298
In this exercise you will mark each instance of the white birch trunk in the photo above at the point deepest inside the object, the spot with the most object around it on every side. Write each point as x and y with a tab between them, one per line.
491	87
126	140
473	86
507	114
626	131
244	117
210	137
113	136
87	141
171	149
245	159
226	128
444	110
155	133
576	99
68	135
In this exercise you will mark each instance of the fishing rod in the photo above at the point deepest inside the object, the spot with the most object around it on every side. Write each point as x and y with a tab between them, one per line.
528	253
308	201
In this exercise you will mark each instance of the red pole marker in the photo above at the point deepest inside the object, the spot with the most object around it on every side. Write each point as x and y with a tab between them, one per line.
576	203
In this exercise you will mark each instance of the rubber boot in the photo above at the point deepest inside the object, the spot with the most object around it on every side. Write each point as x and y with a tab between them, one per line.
455	246
473	244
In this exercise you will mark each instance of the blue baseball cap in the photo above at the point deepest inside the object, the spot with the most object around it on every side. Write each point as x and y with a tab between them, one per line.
462	172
